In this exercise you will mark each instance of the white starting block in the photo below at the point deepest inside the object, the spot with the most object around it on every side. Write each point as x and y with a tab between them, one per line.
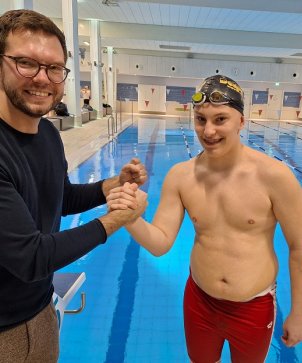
66	286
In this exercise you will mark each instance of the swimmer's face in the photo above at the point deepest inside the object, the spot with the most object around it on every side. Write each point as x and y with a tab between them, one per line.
217	126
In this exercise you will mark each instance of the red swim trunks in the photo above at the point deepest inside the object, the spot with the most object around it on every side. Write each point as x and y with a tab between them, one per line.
247	326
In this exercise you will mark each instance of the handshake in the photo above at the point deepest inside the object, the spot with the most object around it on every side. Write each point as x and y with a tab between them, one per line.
129	200
125	201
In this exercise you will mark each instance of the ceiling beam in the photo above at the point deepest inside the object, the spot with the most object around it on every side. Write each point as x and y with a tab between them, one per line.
284	6
201	36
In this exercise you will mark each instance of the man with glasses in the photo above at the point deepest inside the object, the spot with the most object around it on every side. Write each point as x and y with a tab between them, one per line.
35	190
234	196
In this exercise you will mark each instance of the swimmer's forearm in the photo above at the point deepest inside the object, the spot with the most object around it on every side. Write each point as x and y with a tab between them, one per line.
149	236
295	266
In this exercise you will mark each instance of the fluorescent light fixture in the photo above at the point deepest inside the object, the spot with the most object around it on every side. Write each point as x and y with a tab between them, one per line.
174	47
86	43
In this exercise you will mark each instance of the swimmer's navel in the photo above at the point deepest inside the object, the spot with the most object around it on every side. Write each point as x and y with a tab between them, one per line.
251	221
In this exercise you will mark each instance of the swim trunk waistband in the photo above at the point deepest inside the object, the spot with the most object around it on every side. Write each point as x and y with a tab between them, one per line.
269	290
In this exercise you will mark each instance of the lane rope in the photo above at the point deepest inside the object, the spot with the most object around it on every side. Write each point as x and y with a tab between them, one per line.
186	142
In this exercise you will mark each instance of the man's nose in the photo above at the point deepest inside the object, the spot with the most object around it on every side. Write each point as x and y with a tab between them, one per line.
42	75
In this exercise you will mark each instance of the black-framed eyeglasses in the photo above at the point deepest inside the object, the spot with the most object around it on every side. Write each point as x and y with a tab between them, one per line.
216	97
29	68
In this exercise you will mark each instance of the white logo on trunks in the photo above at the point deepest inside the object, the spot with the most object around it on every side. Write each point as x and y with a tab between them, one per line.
269	325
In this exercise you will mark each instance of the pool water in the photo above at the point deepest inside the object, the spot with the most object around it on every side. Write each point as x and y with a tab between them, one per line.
134	300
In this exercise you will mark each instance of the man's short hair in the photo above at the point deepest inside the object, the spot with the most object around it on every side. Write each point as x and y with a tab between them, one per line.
23	19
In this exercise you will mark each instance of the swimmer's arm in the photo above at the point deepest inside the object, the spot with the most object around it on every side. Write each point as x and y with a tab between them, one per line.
287	205
158	237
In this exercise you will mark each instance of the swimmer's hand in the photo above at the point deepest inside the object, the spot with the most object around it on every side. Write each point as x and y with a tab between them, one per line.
126	196
133	172
292	330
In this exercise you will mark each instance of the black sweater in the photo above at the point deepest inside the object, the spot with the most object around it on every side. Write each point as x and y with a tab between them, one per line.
34	193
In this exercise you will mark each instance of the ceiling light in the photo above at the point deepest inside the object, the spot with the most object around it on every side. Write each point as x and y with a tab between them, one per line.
110	3
174	47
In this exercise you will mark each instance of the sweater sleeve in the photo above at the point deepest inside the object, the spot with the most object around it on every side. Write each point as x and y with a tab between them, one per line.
31	255
81	197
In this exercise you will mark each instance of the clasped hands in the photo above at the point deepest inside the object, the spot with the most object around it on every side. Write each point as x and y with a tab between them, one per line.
128	195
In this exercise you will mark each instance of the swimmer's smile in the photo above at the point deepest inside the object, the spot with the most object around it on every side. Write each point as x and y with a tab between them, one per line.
211	142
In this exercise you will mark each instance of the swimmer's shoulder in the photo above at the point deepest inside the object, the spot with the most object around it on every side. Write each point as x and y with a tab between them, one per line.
182	167
180	170
269	167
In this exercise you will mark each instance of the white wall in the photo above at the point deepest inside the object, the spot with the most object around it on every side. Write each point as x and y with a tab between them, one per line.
190	72
201	68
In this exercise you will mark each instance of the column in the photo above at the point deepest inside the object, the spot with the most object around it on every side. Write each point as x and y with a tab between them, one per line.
111	80
72	83
23	4
96	67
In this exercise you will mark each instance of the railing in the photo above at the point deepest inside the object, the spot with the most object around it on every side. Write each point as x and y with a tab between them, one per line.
66	286
112	126
81	308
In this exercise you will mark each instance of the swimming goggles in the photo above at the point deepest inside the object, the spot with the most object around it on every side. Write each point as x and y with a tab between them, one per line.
215	97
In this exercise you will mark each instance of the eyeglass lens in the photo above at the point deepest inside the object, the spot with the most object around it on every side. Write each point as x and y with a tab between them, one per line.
30	68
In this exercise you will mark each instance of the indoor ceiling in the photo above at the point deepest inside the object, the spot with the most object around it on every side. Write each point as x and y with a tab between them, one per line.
225	29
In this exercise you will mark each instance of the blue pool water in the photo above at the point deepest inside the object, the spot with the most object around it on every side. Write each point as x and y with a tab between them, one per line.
134	300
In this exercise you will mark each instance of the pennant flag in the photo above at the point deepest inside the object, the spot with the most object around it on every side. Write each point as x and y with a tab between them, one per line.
168	91
185	107
260	112
298	113
146	103
270	97
152	89
256	96
285	97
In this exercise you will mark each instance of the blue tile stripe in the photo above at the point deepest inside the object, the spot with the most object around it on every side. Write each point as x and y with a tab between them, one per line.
127	283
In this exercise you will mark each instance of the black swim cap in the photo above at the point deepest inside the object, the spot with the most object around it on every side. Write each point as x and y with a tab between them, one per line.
227	87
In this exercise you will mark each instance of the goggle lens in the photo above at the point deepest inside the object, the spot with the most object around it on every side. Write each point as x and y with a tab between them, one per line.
219	98
199	98
216	97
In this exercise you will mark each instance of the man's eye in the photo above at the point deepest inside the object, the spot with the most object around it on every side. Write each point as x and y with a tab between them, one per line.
56	69
23	62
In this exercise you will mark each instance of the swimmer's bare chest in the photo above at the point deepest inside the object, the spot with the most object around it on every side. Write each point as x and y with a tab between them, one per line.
234	227
242	207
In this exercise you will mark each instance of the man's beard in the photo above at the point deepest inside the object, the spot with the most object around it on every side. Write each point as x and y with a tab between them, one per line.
16	99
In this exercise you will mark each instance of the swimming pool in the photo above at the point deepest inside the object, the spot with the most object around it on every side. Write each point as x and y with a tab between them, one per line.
134	300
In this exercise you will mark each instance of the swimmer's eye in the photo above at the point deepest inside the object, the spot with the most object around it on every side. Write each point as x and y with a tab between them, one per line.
200	119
